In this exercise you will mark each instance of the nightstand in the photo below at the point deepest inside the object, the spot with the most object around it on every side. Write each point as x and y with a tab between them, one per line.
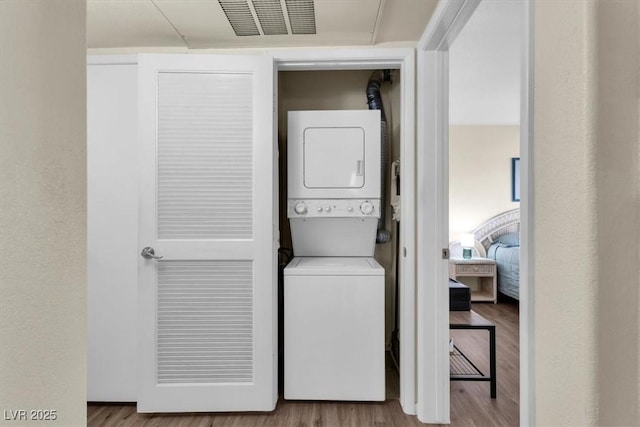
484	269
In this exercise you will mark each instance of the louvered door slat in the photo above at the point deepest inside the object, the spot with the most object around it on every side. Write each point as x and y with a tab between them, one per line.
191	315
200	191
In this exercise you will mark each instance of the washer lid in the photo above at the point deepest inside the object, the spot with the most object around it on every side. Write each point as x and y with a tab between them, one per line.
333	266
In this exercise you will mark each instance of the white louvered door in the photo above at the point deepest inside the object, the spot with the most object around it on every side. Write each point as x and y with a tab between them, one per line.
207	320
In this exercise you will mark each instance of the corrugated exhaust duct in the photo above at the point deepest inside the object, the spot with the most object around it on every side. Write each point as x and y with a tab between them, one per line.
374	100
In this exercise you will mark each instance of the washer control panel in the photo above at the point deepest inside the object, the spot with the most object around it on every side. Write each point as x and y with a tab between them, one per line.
333	208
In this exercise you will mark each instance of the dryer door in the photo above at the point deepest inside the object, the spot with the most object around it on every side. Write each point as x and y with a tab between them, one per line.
334	157
333	154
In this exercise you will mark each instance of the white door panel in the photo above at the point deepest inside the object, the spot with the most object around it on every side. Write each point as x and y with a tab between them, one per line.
206	329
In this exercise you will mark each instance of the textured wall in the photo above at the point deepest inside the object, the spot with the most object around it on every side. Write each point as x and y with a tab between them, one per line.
565	224
617	173
480	174
43	217
587	207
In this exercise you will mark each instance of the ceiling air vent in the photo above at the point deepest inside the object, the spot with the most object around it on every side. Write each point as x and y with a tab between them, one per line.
302	16
242	16
270	16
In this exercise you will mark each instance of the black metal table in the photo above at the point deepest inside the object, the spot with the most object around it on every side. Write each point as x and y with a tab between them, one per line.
462	368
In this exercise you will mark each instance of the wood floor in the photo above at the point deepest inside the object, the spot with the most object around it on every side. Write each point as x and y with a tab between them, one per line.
471	403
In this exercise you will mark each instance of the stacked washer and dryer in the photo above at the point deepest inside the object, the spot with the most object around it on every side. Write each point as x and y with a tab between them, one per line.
334	290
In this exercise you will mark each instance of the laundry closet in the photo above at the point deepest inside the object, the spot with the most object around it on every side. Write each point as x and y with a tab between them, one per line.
336	167
212	291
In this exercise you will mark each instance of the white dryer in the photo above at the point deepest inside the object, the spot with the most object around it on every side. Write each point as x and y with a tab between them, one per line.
333	154
334	342
333	181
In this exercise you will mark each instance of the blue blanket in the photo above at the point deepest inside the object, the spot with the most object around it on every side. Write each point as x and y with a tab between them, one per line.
508	262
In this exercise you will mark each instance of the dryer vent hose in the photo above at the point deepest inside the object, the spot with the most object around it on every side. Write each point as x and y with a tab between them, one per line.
374	100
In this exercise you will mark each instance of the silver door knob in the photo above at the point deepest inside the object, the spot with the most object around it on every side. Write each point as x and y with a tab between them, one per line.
149	253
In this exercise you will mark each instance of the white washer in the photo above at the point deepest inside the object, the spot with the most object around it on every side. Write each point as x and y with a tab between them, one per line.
334	329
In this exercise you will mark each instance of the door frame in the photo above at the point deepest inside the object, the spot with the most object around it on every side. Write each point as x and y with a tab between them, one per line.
432	108
374	58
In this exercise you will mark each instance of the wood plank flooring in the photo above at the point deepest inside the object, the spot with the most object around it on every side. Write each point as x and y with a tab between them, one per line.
471	403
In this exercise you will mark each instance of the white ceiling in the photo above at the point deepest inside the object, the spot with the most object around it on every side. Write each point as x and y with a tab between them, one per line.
197	24
484	59
484	66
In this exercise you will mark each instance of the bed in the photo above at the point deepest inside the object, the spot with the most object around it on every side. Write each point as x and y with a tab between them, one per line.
498	238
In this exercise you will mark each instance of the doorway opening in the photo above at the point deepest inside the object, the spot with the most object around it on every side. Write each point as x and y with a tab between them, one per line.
484	203
433	153
345	90
326	81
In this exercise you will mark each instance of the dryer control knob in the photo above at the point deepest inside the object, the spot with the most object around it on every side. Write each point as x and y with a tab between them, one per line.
349	209
300	208
327	208
366	208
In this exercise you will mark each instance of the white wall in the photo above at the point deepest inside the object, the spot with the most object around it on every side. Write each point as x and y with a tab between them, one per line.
480	174
586	213
112	231
484	66
43	219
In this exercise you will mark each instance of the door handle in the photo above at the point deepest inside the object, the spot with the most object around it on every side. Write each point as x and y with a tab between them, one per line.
149	253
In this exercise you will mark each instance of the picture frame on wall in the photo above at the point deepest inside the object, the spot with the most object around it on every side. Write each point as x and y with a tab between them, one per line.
515	179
